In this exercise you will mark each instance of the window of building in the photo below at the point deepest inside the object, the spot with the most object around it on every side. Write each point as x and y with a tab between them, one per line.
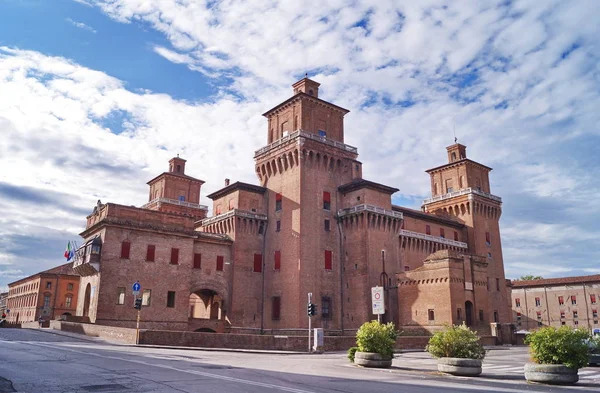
327	227
69	287
277	264
278	202
594	313
174	256
456	236
218	209
121	295
47	300
481	315
328	260
261	228
488	284
278	226
326	200
220	260
325	307
431	314
322	133
561	300
495	316
146	297
497	284
593	299
48	285
576	322
517	302
449	185
197	261
257	263
68	300
181	198
537	302
458	314
562	315
487	238
275	307
573	300
171	299
125	248
489	255
231	204
575	314
539	315
427	230
518	316
406	268
150	253
442	233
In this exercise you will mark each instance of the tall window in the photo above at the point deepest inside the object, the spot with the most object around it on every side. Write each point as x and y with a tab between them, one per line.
427	230
174	256
497	284
481	315
275	308
69	287
125	247
197	261
562	315
278	226
537	302
595	313
278	202
575	315
442	233
458	314
487	238
46	300
231	204
68	300
121	295
561	300
150	253
48	285
327	226
326	307
517	302
257	263
328	260
593	299
326	200
277	264
171	299
495	315
431	314
146	295
181	198
455	236
220	260
573	300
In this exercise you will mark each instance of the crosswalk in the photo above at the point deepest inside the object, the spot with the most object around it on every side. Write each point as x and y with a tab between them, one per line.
591	374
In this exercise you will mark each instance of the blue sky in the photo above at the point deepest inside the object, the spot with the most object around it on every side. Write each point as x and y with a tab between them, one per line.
96	96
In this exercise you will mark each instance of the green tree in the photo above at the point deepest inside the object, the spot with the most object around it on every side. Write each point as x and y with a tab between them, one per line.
529	277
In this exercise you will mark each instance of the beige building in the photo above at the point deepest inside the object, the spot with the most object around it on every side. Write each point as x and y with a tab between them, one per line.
566	301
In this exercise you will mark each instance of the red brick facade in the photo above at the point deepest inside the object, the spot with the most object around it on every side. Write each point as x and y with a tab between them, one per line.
313	225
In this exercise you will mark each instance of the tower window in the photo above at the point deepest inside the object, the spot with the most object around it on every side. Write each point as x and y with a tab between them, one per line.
326	200
197	261
322	133
275	308
174	256
125	248
431	315
442	233
181	198
278	226
562	315
150	251
497	284
455	236
453	156
171	299
327	226
220	263
575	314
481	315
427	229
495	316
277	264
326	307
178	168
278	202
257	263
487	239
121	295
328	260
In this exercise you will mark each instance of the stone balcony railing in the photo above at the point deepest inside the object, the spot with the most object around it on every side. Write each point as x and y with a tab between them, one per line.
417	235
234	212
308	135
359	208
175	202
465	191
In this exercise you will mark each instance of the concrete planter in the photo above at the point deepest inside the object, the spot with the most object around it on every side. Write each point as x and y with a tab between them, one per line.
594	359
458	366
372	359
553	374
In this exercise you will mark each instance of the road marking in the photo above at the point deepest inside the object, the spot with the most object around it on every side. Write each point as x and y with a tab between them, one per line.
485	367
588	372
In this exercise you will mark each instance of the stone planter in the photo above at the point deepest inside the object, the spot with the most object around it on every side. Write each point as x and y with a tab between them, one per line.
594	359
458	366
553	374
372	359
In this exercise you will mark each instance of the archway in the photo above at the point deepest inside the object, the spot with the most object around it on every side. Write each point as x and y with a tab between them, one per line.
469	313
87	300
206	304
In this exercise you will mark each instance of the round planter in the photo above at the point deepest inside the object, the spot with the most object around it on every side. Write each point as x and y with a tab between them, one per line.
458	366
554	374
372	359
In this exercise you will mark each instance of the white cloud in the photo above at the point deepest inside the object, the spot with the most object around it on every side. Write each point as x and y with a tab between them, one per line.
81	25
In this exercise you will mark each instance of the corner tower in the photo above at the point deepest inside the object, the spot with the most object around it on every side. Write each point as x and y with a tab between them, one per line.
461	188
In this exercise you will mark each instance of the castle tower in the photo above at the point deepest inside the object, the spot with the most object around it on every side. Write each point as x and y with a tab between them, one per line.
461	188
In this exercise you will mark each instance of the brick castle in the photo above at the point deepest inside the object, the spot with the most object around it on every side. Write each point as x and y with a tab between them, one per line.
312	225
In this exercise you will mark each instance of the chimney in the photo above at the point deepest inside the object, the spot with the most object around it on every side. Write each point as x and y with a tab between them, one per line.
226	182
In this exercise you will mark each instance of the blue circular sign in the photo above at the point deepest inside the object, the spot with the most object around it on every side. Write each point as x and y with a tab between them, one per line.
136	286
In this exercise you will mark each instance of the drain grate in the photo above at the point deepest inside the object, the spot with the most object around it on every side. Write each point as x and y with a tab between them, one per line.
104	388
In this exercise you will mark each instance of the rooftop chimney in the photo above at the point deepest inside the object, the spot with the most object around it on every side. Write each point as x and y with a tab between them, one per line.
226	182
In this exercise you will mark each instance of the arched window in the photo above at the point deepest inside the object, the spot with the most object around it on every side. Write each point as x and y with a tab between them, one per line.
68	301
453	156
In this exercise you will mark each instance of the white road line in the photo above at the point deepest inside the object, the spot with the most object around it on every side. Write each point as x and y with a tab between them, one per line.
588	372
485	367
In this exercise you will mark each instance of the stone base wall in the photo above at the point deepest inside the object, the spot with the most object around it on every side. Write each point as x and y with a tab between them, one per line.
108	332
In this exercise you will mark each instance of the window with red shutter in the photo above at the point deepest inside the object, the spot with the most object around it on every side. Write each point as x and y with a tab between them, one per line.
125	247
174	256
442	233
593	299
278	202
220	263
277	260
427	230
257	263
573	300
197	261
455	236
150	253
561	300
276	307
487	238
328	260
326	200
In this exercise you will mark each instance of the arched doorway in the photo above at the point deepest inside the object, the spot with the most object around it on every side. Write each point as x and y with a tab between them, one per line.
469	313
87	300
206	304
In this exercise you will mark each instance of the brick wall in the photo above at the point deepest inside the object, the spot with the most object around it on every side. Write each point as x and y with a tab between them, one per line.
107	332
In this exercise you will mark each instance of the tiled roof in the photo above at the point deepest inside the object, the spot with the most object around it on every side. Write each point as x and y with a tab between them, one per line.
556	281
66	269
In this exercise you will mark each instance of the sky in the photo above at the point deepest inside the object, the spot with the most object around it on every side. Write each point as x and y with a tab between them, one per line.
97	96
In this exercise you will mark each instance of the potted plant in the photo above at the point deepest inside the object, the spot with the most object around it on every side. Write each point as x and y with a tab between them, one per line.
557	355
458	350
375	344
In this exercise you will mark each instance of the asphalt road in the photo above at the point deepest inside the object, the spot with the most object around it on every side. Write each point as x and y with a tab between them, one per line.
43	362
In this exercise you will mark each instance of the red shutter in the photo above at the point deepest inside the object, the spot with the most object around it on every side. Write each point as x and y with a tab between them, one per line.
277	260
593	299
326	197
277	197
328	264
427	230
220	263
276	308
258	263
197	261
150	253
174	256
125	247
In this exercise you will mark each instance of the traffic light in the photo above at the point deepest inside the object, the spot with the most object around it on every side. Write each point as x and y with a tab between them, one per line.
312	309
138	304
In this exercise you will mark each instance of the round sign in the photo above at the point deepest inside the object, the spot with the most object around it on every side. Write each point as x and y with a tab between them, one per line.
377	295
136	286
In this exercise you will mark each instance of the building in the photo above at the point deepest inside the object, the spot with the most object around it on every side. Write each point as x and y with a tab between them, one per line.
47	295
312	225
570	301
3	298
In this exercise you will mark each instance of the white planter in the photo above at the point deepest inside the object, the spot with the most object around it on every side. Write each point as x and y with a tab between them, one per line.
553	374
372	359
460	366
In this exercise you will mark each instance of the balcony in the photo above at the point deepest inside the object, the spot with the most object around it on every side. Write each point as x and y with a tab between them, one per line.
370	208
307	135
174	202
465	191
234	212
417	235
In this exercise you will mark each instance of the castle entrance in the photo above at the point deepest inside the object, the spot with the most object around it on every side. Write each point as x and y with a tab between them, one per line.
206	304
469	313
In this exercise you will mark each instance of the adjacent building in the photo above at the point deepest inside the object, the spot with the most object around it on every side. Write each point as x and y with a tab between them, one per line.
48	295
312	225
3	298
566	301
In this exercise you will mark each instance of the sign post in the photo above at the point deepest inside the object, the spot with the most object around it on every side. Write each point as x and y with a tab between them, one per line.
309	321
136	288
378	302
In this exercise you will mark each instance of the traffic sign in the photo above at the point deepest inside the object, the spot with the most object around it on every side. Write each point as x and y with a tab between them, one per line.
7	310
377	300
136	287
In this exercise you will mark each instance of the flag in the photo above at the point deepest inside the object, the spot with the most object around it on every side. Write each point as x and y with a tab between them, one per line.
69	251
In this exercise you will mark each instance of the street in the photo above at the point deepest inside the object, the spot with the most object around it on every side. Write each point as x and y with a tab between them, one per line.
44	362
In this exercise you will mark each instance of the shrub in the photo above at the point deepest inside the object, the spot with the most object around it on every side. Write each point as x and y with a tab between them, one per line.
376	337
594	345
457	341
351	353
559	346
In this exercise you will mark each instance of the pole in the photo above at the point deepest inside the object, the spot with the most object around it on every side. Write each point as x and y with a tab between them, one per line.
137	327
309	321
